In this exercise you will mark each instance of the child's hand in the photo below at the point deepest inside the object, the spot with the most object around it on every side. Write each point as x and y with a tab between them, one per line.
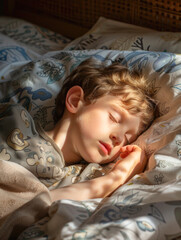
133	161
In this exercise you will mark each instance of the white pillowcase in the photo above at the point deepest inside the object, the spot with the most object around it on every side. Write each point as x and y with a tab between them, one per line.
110	34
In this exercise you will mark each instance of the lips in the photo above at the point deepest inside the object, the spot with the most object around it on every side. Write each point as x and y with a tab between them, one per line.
106	148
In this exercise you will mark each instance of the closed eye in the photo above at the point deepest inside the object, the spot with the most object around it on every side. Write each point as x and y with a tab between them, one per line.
113	118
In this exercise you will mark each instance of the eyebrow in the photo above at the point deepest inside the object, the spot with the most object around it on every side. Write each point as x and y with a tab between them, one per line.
119	108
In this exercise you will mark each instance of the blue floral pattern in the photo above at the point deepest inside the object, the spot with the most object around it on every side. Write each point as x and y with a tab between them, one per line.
32	78
37	38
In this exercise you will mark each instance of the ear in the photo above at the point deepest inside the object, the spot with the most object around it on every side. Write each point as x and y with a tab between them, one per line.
74	99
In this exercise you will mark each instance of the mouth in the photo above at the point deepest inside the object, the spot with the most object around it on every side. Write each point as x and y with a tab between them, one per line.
105	147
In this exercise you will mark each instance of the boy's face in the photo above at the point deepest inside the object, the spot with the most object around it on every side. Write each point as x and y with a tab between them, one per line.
98	130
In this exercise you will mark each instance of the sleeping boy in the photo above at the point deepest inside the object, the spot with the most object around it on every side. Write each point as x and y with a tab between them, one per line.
100	111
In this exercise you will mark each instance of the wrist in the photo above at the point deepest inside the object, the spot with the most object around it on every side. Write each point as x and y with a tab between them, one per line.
117	177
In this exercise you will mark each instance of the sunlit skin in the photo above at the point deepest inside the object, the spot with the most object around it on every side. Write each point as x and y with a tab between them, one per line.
97	132
94	132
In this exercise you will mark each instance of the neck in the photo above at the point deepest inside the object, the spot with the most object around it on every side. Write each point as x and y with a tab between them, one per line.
59	134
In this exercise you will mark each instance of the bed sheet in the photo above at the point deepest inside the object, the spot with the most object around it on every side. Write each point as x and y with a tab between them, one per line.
149	205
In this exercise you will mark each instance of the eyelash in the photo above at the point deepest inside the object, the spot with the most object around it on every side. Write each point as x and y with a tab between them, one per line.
113	118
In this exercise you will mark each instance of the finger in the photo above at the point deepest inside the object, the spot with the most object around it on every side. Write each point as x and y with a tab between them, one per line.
124	155
126	148
130	148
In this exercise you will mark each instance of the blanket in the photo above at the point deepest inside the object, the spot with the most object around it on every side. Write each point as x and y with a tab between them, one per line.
24	199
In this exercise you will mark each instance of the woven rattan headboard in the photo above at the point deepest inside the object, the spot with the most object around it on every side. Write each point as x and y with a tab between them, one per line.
74	17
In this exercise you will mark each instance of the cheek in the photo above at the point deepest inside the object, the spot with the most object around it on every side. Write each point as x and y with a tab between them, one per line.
116	152
94	124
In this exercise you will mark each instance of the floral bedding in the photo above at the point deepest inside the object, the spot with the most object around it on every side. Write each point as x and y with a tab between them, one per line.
111	34
149	205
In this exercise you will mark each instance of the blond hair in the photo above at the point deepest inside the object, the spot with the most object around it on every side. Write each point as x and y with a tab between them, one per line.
98	80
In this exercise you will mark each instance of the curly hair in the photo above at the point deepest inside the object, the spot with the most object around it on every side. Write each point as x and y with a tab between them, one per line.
98	80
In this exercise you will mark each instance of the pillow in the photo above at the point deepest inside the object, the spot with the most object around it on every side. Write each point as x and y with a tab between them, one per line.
36	38
110	34
35	83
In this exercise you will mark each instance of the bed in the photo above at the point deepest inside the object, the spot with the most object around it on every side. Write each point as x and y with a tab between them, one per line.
40	44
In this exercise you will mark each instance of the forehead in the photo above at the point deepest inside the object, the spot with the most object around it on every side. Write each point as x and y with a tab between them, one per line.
116	103
111	100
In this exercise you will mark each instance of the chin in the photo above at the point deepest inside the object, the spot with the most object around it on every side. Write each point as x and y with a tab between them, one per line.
99	159
93	160
91	157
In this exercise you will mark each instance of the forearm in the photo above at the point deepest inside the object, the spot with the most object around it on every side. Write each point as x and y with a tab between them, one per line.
133	163
96	188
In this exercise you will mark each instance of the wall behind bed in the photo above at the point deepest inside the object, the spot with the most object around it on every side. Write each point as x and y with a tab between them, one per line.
73	18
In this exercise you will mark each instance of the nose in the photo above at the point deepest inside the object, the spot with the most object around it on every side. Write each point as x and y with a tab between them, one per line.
116	139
